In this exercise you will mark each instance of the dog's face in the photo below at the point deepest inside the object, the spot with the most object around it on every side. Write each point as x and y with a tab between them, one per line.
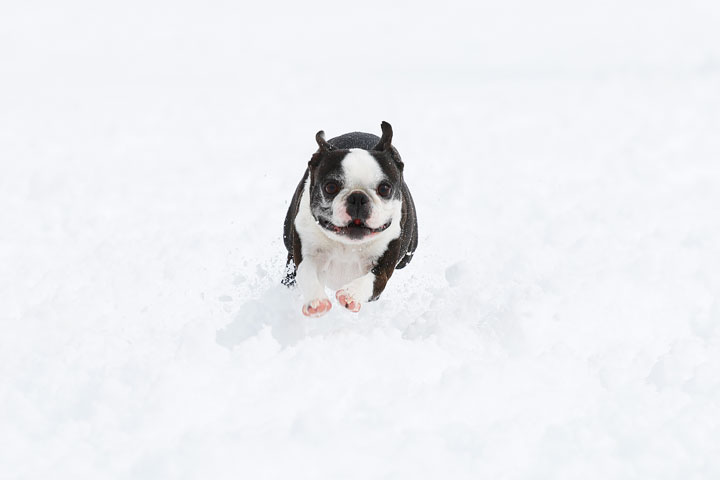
356	194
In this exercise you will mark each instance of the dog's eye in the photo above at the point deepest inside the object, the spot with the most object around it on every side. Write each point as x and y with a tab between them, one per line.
384	190
331	188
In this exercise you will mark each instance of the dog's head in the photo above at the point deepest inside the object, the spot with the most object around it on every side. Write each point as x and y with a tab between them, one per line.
356	194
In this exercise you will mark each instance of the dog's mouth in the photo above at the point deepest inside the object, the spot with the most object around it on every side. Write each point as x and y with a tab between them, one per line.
355	229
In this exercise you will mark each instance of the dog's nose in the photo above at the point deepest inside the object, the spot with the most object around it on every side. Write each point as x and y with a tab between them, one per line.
358	205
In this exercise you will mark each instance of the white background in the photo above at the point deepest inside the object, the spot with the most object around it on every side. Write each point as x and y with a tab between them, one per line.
559	320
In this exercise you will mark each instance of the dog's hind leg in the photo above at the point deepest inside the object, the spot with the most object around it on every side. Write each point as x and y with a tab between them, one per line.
290	272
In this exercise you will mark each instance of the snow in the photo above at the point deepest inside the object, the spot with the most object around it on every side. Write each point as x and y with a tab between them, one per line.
560	318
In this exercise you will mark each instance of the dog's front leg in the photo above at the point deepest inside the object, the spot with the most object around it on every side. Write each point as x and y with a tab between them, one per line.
369	287
313	292
355	293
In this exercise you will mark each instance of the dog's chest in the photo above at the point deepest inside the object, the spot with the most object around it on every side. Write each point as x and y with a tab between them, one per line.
342	264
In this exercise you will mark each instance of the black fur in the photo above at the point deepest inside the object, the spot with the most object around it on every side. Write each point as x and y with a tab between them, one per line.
291	237
366	141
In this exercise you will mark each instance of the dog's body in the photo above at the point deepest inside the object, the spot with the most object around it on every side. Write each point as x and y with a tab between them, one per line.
351	222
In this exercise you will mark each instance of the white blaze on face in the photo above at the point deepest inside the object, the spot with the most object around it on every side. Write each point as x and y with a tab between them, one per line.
362	172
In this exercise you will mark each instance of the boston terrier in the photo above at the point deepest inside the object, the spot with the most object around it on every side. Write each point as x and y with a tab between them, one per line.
351	222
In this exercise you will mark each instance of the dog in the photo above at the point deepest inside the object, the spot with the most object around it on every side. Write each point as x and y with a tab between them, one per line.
351	222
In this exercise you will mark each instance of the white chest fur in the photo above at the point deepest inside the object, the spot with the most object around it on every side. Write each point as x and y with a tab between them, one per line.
340	265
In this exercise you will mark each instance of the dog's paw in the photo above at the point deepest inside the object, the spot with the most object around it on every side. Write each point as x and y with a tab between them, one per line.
317	307
348	301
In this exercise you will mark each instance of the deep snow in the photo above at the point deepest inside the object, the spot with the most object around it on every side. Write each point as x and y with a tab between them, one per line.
560	318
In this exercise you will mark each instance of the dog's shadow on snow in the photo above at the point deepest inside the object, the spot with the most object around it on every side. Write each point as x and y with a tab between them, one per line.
279	309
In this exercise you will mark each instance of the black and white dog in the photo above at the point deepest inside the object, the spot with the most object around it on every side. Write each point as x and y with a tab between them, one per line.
351	222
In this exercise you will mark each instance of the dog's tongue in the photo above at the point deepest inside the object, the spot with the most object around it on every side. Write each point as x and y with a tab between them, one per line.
357	221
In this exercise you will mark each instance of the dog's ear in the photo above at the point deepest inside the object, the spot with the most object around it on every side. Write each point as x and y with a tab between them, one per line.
322	143
385	142
324	148
385	145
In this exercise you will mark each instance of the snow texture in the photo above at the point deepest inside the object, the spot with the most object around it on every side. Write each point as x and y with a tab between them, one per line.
560	319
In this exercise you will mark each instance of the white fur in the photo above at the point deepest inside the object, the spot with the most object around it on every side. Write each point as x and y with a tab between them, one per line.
332	261
308	281
361	288
361	169
340	216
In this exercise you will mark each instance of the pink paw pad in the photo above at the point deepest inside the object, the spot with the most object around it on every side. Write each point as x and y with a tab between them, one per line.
347	301
317	307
